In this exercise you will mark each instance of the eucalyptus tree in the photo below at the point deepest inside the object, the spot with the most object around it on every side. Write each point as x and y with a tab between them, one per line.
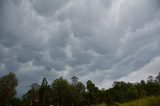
45	93
7	88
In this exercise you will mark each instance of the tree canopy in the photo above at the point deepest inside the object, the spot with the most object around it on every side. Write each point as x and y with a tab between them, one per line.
61	92
7	88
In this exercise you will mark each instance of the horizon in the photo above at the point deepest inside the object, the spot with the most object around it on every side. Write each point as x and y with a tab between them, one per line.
70	81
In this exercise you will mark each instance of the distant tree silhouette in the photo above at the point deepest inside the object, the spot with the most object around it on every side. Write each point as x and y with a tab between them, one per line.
63	93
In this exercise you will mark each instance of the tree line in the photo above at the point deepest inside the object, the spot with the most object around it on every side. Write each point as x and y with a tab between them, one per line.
64	93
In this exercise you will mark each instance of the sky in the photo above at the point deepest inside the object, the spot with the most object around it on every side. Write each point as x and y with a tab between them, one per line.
99	40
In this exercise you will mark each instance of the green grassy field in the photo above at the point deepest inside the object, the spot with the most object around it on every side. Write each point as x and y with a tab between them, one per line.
148	101
101	105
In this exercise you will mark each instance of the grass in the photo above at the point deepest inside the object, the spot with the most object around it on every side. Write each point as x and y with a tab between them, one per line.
147	101
101	104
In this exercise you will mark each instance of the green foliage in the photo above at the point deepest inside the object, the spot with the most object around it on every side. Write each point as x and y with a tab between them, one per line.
148	101
92	93
45	93
63	93
158	78
16	102
60	90
32	96
66	94
7	88
122	92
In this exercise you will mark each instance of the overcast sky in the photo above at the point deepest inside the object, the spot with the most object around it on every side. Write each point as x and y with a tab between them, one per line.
100	40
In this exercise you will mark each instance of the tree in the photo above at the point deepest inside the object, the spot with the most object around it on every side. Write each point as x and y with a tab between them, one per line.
74	80
158	78
119	89
27	98
92	93
35	94
141	89
45	93
16	102
150	79
124	92
31	98
109	98
7	88
60	91
44	83
63	93
131	93
80	87
101	97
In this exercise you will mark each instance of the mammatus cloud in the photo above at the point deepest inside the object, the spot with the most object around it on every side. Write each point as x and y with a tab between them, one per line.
101	40
151	68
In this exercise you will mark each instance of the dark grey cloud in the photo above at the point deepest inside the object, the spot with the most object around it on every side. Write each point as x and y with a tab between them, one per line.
48	7
101	40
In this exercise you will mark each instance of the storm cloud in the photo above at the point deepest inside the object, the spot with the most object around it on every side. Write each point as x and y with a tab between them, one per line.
100	40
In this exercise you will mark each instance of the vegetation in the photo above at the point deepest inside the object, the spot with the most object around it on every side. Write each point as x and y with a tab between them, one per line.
64	93
7	88
148	101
